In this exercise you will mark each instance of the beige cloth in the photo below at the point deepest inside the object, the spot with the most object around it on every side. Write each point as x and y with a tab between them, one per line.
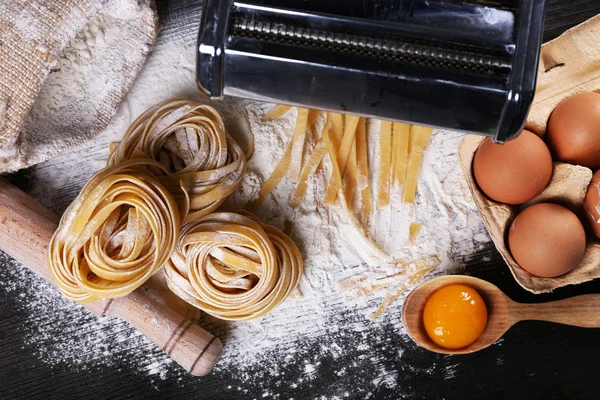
33	36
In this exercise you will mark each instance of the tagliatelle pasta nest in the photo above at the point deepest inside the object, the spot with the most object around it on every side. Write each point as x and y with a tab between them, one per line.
190	140
116	234
233	267
175	163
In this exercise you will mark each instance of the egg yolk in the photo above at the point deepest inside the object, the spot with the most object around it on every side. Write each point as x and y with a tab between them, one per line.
454	316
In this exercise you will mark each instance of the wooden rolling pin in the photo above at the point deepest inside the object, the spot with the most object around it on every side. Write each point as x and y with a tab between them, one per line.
26	228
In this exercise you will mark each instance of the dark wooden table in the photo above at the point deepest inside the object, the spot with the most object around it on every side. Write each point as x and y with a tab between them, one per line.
535	360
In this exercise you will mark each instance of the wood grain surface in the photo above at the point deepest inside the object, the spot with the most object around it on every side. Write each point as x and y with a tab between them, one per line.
534	360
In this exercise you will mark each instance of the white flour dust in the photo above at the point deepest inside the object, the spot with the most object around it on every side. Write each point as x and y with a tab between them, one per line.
65	334
307	335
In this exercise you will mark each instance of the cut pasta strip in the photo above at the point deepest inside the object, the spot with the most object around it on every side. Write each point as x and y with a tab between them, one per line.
385	157
190	140
343	155
363	171
411	140
230	288
421	136
367	283
313	117
400	155
336	176
351	175
118	232
312	164
279	172
362	285
414	230
347	140
423	267
310	167
337	130
277	112
369	245
282	167
326	127
297	150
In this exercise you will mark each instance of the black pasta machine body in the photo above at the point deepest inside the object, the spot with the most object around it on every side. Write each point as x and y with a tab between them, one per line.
463	65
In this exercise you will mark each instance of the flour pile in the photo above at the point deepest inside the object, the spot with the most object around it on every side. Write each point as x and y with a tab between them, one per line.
305	332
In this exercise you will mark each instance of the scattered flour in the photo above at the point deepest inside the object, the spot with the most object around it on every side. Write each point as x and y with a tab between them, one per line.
308	335
63	333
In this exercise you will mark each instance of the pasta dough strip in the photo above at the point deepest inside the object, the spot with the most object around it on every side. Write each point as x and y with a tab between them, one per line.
335	169
400	155
311	165
414	229
298	140
277	112
277	174
423	267
284	164
190	275
335	175
421	136
313	117
385	157
344	154
337	130
351	175
363	171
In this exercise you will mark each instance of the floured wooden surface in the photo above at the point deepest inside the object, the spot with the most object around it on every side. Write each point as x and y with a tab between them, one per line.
347	361
569	64
567	186
322	327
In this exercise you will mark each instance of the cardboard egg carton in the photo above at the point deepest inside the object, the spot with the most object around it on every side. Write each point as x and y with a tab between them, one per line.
569	64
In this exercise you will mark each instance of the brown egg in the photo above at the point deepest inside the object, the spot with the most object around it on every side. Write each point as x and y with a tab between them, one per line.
592	203
574	130
547	240
514	172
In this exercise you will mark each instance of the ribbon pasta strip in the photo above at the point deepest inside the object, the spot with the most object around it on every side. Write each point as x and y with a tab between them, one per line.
190	140
116	234
233	267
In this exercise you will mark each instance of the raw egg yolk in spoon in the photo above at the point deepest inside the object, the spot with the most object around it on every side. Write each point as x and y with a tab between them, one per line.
454	316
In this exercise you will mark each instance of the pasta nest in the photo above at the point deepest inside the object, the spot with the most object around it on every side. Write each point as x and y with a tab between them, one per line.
190	141
118	232
233	267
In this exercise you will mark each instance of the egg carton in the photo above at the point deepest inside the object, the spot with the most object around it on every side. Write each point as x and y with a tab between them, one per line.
570	64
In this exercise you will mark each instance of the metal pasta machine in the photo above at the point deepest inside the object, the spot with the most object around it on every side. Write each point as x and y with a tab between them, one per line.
467	65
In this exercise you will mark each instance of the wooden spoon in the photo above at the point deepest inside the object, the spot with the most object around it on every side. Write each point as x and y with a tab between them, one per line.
503	313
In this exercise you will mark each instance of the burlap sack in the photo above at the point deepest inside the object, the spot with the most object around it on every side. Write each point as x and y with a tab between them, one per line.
34	35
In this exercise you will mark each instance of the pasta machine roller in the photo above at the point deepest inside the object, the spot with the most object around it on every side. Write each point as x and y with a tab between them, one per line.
467	65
